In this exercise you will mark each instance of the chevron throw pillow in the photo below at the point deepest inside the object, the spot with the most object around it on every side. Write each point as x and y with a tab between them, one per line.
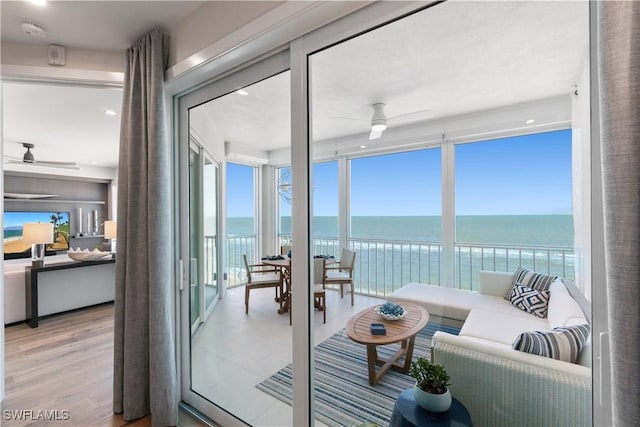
530	279
530	300
562	343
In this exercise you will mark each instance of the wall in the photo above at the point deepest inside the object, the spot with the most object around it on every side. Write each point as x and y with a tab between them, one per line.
80	59
211	22
71	195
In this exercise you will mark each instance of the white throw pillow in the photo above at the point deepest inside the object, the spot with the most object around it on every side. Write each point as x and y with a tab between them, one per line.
563	310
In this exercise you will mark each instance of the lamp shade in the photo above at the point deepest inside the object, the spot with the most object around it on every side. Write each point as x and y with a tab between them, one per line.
110	230
37	233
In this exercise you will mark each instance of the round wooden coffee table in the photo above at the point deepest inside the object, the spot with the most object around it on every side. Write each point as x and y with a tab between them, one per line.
403	331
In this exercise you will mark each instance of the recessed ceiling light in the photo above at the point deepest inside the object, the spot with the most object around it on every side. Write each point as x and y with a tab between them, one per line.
242	92
31	29
530	121
110	112
37	2
363	146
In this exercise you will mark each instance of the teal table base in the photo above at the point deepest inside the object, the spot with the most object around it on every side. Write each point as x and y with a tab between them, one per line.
407	413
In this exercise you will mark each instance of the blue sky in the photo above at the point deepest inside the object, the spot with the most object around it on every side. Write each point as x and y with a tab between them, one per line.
12	219
511	176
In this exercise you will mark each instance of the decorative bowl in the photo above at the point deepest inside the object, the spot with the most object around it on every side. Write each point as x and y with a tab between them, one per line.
391	311
86	255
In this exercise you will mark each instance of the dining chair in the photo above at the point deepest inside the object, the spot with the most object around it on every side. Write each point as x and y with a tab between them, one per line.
260	276
285	249
342	273
319	293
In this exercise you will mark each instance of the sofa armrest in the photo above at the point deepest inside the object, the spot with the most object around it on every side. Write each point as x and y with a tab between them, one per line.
500	386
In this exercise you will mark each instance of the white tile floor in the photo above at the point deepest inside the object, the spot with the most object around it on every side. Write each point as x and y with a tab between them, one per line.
232	352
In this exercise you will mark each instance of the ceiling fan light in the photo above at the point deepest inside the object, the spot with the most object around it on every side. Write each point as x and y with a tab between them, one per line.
378	127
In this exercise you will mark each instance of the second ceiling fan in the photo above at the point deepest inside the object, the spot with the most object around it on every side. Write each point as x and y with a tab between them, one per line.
29	158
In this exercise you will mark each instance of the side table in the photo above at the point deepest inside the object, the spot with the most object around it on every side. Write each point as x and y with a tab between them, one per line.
407	413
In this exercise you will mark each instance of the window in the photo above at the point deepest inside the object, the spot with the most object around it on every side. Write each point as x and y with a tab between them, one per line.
325	208
514	205
396	205
241	228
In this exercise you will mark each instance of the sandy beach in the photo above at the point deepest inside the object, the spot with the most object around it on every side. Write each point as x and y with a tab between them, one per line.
15	245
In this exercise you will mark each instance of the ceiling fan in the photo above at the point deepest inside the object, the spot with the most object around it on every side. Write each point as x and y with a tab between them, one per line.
380	122
29	159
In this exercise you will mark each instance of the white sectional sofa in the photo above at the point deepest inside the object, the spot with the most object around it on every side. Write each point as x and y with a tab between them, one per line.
501	386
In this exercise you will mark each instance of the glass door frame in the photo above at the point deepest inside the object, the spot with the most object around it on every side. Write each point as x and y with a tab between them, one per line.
204	309
366	19
213	89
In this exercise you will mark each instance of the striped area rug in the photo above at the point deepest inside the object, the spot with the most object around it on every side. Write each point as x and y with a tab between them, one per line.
342	391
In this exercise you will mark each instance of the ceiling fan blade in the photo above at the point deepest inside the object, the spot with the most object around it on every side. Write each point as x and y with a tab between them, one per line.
414	116
63	165
349	118
55	163
375	134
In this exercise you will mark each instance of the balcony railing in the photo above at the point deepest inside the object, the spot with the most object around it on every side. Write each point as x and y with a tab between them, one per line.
472	258
382	266
237	245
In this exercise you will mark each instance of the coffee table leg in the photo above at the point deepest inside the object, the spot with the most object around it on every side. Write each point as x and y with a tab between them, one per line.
372	357
409	354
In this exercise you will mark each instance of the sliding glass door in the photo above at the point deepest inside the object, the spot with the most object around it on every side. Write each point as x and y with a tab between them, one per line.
417	73
234	327
203	235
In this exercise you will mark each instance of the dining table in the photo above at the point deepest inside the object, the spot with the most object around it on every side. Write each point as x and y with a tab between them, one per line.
283	262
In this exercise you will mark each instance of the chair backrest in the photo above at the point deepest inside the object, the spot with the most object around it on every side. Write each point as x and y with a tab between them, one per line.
246	267
318	271
347	259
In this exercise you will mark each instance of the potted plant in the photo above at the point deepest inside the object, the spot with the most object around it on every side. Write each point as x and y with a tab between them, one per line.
432	385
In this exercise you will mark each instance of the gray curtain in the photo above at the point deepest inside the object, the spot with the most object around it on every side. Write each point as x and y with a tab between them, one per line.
619	59
145	375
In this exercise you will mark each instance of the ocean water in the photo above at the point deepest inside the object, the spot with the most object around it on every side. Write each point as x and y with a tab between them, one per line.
394	250
529	230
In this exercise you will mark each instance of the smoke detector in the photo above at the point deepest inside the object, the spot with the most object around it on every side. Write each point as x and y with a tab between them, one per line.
32	29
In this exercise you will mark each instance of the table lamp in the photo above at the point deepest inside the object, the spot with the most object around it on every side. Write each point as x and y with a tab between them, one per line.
111	233
38	234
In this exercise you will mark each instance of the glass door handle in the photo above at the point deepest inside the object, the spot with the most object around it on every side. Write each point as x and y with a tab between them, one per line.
193	272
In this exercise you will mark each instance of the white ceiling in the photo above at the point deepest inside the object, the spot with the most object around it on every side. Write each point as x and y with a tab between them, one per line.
455	58
65	122
97	25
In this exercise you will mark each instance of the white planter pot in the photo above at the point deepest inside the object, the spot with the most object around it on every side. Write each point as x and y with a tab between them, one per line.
432	402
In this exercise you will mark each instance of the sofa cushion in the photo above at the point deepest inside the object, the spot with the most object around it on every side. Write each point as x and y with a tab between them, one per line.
530	300
498	327
564	343
530	279
451	303
495	283
578	296
563	309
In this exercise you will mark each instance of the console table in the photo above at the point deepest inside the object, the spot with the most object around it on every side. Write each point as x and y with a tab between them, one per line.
67	286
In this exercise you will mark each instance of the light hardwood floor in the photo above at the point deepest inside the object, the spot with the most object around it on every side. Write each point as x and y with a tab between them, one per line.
64	365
